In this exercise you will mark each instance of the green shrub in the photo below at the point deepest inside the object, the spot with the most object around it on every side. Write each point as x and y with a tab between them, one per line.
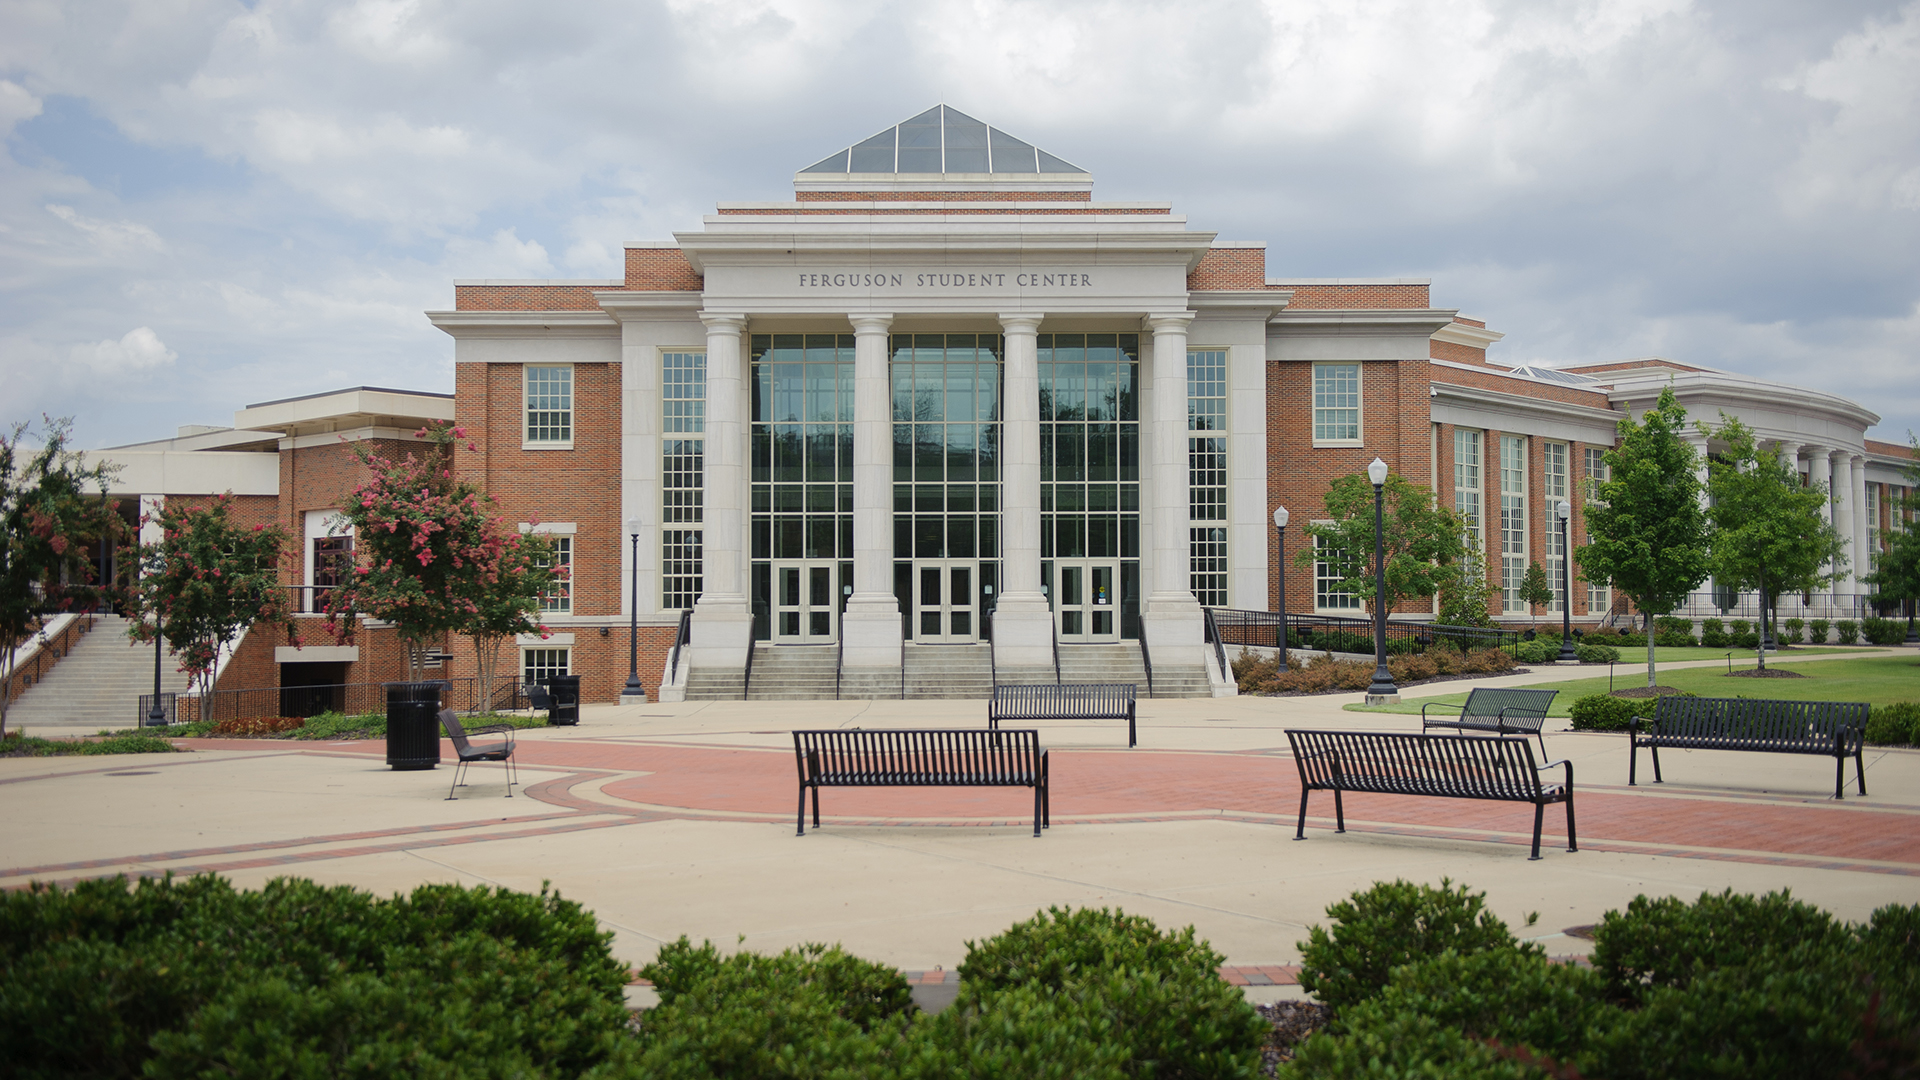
1393	924
1748	640
1630	641
1817	631
1713	633
1160	993
192	977
1884	631
1596	654
1602	712
1673	624
1848	631
1789	631
1668	942
17	743
1534	652
1895	724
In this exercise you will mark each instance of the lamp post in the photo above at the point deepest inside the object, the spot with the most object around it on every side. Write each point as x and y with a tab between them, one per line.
633	690
1382	692
1280	526
1564	511
156	716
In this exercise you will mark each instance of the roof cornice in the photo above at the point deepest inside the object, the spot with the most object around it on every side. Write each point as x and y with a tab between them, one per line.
1400	320
523	323
1500	399
1458	333
1242	301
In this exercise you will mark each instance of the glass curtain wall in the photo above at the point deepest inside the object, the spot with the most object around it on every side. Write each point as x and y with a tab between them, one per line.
1090	458
802	465
1207	473
946	479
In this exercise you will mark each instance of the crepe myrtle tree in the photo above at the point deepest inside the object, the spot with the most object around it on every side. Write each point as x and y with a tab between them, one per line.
206	581
49	523
431	556
1649	534
1768	530
1422	541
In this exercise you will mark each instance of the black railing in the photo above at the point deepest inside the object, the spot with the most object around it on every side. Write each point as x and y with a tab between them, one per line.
986	635
681	637
1333	633
1054	629
1211	634
1146	661
168	709
463	694
1746	605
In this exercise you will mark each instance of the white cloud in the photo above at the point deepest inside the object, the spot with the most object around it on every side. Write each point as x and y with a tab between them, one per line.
112	237
139	351
16	104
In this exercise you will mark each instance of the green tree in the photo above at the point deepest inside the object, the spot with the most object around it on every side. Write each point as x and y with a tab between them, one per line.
1896	571
1649	532
1768	532
432	558
1422	540
205	582
1465	594
1535	590
48	525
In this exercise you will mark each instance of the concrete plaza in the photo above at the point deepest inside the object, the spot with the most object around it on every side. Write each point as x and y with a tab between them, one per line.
679	819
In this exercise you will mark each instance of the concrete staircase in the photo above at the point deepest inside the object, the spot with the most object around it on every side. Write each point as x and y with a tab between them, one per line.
950	671
1122	663
98	684
793	672
711	684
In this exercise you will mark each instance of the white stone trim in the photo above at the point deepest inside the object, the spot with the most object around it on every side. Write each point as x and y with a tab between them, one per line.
535	641
316	654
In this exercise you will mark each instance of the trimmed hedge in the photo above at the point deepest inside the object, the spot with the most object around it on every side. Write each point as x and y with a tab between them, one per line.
1593	653
176	978
1392	924
1726	986
1880	631
1602	712
1896	724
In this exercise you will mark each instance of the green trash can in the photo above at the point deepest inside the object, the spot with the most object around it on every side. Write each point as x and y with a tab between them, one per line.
413	725
566	699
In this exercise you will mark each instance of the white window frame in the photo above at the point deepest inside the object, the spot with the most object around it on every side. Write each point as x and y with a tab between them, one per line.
1323	591
1556	483
1513	563
1469	499
565	653
682	516
560	600
571	414
1594	461
1209	568
1358	407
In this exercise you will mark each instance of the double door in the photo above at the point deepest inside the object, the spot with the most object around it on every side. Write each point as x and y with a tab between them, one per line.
806	601
946	601
1086	599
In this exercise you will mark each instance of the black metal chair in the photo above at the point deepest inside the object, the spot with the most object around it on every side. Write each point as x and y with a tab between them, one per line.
469	752
538	699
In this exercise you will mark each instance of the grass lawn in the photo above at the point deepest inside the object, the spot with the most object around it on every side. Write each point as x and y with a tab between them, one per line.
1876	680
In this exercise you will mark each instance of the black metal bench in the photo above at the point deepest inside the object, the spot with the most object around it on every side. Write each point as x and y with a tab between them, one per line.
925	757
1500	710
1063	701
1835	729
1450	766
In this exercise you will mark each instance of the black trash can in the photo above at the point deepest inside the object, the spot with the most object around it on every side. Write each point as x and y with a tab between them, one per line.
413	725
566	699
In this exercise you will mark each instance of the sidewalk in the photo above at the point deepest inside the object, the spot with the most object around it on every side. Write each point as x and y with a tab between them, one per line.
678	819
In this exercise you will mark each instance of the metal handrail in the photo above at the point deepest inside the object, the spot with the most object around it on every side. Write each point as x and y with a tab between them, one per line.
1054	628
1146	660
839	656
1212	633
681	636
746	678
903	667
1262	628
986	632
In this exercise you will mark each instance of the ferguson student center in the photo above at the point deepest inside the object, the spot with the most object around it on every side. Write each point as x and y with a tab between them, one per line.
943	416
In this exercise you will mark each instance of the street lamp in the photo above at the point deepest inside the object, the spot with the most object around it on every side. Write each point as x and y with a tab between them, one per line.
1564	511
1280	526
156	716
1382	691
633	690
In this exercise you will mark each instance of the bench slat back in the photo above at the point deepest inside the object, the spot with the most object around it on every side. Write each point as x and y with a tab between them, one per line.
1746	723
893	757
1525	709
1471	766
1062	701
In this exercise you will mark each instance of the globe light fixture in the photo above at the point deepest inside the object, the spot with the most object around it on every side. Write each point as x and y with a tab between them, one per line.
1383	691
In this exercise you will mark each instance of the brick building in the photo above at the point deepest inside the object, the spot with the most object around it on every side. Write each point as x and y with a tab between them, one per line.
942	411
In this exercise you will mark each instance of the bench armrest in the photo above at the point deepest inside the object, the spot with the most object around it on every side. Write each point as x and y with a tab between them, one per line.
1440	705
494	729
1568	762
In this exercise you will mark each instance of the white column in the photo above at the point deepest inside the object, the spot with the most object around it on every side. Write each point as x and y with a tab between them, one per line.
722	621
1857	499
1840	512
871	625
1787	604
1172	620
1022	622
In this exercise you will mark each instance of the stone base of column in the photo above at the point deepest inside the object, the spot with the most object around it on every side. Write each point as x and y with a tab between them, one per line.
870	633
722	634
1175	631
1383	699
1023	634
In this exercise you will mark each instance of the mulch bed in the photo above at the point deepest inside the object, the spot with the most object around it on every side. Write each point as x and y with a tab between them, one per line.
1769	673
1292	1022
1415	682
1648	691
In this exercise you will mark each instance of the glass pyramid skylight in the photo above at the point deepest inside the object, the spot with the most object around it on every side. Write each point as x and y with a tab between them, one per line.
942	140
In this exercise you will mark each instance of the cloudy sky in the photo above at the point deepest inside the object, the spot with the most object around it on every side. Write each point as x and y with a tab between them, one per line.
208	203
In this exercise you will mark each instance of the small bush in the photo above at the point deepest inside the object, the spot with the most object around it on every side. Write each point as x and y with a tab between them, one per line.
1713	633
1668	942
1393	924
1848	631
1789	631
258	725
1596	654
1601	712
1673	624
1629	641
1534	652
1897	724
1817	631
1674	641
132	741
1880	631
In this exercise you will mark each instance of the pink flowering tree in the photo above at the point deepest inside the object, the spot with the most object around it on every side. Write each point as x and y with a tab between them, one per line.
433	559
49	523
205	582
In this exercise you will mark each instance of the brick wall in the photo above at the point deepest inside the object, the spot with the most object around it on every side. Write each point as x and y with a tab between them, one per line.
1319	297
661	269
942	196
526	297
1496	380
1456	352
1230	268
